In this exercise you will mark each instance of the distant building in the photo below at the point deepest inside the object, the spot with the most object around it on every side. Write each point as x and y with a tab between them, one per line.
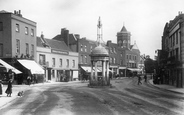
122	55
171	56
59	61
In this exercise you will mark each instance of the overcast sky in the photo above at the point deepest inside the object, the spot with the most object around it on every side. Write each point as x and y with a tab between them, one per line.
144	19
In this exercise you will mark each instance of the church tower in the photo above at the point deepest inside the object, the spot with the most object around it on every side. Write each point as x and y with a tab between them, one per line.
123	38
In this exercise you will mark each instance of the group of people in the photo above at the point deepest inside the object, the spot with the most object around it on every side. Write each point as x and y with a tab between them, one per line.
9	86
8	89
139	79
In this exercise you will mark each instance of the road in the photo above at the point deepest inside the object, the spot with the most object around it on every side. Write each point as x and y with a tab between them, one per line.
124	98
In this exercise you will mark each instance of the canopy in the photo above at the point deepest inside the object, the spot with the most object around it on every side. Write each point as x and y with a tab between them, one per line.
134	69
16	71
122	67
32	66
86	68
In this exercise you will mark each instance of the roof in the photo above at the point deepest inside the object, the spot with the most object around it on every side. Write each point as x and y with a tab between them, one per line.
123	29
3	11
100	50
54	44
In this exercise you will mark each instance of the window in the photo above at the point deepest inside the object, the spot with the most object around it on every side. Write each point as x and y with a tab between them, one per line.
17	46
81	48
53	73
81	59
135	57
42	59
73	63
27	48
1	26
17	29
26	30
111	50
32	32
1	50
129	56
61	62
85	59
53	62
121	62
176	37
110	60
32	50
67	62
85	48
121	55
114	60
91	48
114	50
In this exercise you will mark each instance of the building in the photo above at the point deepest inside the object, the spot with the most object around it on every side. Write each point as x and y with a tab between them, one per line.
129	54
171	56
18	42
59	61
123	56
18	36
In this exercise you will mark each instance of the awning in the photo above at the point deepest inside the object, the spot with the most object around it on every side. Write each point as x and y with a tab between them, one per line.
16	71
86	68
134	69
32	66
122	67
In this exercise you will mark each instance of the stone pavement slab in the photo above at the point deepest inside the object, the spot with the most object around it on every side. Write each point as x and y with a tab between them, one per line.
168	87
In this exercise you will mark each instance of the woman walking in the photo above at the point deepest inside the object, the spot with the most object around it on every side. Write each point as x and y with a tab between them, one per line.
9	88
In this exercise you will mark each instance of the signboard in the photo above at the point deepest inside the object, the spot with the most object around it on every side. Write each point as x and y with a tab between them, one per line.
60	52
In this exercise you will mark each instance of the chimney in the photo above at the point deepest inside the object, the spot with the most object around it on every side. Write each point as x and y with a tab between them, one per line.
77	36
65	35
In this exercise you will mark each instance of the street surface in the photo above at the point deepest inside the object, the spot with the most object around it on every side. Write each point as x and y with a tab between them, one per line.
124	98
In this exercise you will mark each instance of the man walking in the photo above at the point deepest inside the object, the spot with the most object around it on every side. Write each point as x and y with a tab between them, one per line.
139	79
145	77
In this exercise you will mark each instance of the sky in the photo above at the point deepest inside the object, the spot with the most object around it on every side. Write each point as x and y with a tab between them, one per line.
144	19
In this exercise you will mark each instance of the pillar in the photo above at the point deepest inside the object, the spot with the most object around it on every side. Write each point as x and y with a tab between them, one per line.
91	78
96	75
103	72
108	80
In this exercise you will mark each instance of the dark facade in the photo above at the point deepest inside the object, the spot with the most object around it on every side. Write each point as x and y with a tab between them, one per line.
171	56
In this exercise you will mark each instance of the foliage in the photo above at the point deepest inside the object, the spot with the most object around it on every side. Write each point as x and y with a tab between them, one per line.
150	64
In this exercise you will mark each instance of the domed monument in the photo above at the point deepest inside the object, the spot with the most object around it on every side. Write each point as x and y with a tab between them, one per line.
99	55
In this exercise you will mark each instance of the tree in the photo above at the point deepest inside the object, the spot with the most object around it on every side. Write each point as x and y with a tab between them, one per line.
149	64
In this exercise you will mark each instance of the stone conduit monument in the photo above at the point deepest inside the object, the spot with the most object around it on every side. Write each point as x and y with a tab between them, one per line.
99	59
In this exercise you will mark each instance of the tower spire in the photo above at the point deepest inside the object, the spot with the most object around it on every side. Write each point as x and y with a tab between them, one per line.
99	32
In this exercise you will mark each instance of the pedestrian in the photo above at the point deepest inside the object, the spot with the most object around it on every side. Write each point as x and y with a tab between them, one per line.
1	87
29	80
145	78
9	88
139	79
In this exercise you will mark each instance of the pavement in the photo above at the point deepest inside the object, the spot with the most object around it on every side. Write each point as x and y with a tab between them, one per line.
168	87
4	100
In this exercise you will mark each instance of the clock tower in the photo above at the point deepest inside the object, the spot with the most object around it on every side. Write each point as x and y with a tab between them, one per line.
123	38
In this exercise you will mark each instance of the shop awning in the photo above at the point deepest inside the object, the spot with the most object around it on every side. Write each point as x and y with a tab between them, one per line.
32	66
134	69
122	67
6	65
86	68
